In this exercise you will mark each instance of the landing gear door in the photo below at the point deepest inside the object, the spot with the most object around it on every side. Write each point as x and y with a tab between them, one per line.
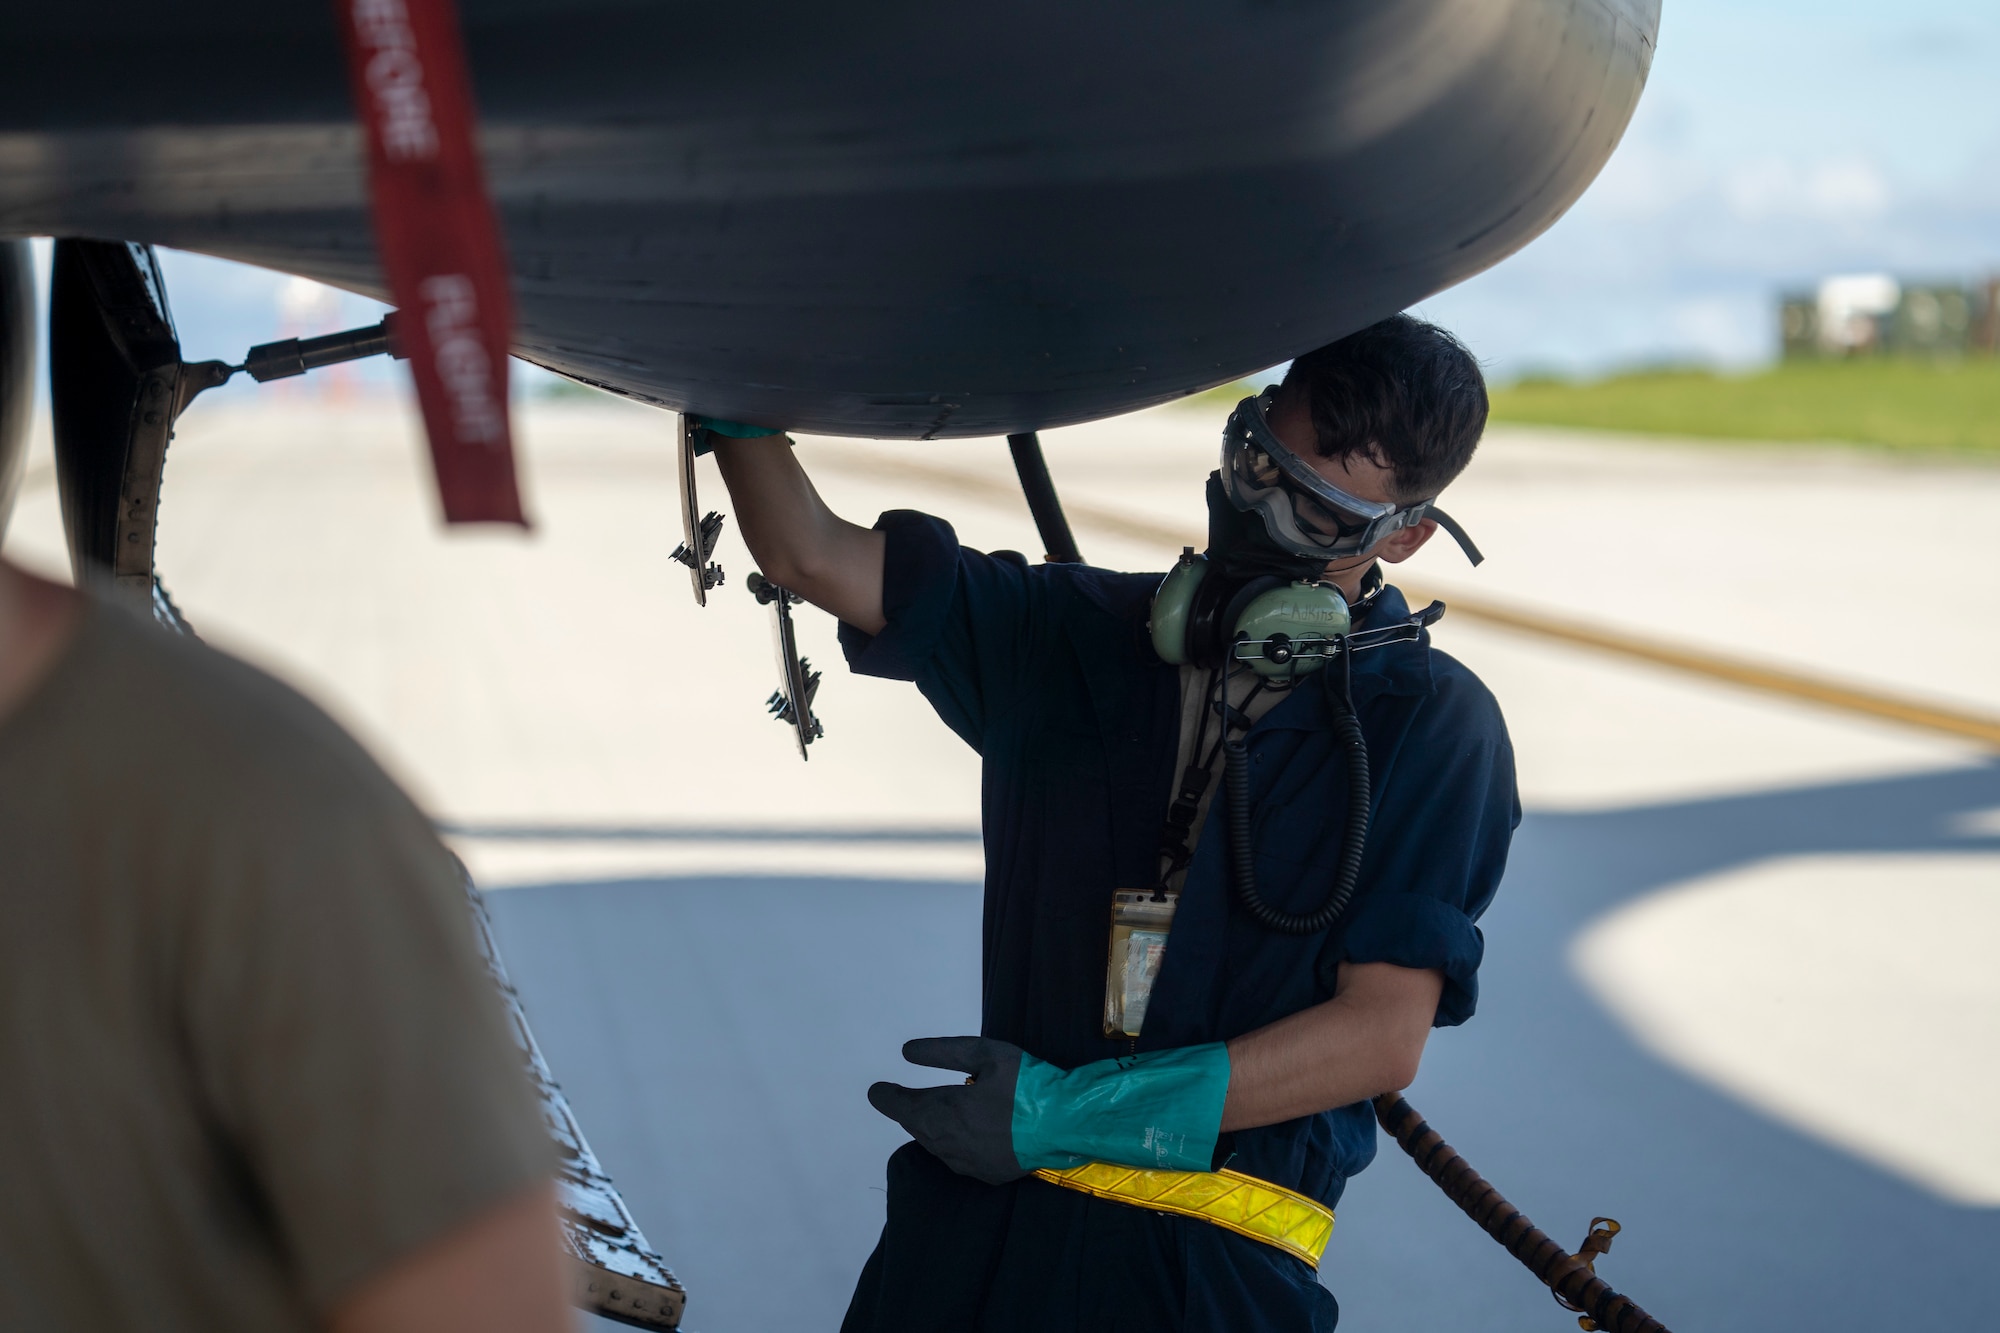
117	384
17	369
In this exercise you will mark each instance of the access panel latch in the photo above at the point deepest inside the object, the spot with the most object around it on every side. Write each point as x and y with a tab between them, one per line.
798	684
699	534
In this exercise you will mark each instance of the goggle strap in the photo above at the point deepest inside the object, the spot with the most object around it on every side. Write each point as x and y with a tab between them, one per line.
1458	534
1256	432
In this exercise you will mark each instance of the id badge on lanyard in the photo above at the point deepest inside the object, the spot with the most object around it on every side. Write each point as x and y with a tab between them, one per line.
1140	922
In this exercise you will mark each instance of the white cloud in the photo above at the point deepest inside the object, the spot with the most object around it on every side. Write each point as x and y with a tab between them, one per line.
1853	188
1644	181
1841	190
1730	329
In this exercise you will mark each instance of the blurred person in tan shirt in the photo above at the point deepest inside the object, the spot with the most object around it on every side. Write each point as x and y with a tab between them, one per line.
253	1074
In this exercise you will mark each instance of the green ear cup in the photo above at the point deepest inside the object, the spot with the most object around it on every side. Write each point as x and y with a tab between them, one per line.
1173	608
1280	632
1289	631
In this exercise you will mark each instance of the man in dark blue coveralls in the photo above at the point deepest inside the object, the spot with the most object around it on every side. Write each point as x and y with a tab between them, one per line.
1157	1142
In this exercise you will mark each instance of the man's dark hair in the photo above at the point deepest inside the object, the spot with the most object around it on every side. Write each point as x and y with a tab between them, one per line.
1403	392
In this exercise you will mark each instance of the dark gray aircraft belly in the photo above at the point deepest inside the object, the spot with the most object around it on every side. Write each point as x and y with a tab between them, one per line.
886	219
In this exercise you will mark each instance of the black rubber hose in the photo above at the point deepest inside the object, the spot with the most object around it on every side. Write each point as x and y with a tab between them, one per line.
1039	490
1354	839
1567	1275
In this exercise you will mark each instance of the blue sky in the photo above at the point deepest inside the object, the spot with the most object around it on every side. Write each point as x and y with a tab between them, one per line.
1777	142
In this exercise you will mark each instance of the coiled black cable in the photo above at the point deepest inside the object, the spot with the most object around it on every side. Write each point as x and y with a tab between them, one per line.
1354	839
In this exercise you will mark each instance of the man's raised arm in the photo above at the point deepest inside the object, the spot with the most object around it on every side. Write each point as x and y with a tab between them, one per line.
795	539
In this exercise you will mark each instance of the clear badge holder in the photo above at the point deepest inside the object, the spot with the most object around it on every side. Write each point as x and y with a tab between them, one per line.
1140	922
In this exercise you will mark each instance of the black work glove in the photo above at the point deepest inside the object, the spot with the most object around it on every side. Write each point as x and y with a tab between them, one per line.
967	1126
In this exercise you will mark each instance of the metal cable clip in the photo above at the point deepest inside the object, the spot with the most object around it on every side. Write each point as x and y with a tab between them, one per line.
1603	1230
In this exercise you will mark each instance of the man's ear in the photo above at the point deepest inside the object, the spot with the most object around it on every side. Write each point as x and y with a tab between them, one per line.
1400	546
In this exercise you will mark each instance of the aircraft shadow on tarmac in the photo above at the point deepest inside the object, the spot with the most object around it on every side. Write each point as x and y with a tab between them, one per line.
715	1035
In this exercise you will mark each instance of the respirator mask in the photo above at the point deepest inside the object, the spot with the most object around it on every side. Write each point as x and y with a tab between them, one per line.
1274	523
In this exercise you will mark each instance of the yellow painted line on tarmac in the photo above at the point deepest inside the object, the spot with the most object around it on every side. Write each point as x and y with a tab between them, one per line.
1962	724
1792	684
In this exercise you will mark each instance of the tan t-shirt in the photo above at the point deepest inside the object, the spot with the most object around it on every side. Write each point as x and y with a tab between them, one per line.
248	1055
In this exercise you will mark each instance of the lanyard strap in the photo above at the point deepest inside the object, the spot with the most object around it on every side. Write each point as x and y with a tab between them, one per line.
440	246
1175	853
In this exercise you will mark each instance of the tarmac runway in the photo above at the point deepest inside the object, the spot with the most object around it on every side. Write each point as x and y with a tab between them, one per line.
1738	990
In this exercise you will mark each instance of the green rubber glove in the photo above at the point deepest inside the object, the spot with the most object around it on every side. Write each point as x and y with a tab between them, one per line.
705	429
1161	1110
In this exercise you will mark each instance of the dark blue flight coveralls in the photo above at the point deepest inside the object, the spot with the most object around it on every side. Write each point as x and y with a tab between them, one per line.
1048	672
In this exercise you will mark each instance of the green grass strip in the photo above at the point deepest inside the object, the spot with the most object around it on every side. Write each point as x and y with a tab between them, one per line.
1914	406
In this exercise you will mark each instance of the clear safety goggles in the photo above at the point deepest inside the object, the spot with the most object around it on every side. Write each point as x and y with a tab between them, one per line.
1303	511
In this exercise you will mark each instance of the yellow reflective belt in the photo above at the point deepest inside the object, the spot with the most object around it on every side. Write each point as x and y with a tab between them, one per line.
1299	1226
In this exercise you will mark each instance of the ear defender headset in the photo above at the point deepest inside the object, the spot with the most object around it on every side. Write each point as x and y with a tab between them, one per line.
1280	628
1273	524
